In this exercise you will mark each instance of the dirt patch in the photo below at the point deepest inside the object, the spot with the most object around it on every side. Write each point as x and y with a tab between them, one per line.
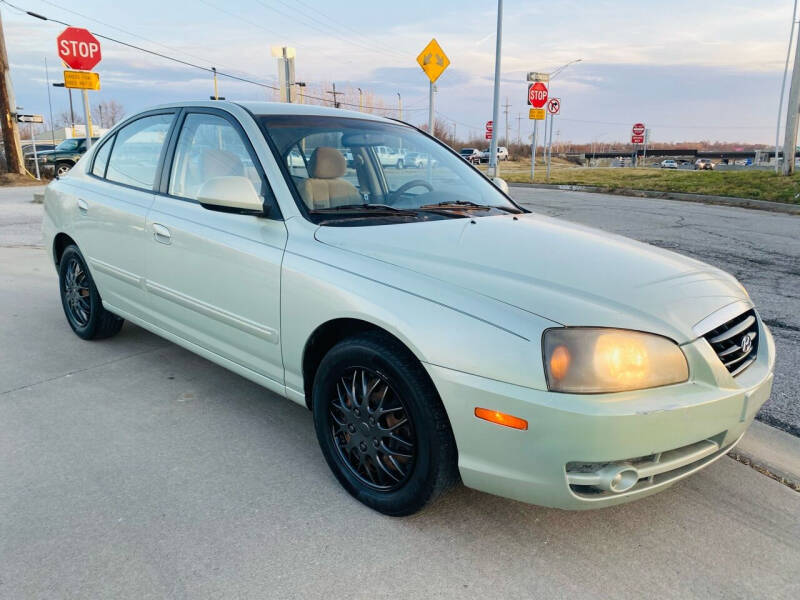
12	180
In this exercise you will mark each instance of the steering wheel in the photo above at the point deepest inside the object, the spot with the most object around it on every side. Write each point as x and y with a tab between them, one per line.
413	183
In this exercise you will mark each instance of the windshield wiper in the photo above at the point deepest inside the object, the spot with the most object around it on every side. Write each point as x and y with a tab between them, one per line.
465	204
373	208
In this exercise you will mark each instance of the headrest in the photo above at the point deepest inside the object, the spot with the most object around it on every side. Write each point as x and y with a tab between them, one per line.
327	163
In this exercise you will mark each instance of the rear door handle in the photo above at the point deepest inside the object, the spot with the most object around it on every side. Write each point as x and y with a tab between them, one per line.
83	206
161	234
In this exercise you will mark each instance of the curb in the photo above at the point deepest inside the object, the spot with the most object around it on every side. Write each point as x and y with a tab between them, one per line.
771	450
780	207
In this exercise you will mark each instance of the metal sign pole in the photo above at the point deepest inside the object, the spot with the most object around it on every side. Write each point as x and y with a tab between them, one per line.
549	145
35	155
494	170
88	119
533	148
431	91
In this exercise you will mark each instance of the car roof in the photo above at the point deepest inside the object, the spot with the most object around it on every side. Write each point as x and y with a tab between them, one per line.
277	108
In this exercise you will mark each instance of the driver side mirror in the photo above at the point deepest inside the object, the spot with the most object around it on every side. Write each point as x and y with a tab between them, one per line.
501	184
232	193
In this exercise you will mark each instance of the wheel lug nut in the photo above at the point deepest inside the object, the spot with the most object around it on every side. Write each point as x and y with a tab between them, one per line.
351	428
375	442
363	446
357	412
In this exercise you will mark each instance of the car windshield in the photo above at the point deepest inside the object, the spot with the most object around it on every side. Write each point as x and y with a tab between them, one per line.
68	145
357	169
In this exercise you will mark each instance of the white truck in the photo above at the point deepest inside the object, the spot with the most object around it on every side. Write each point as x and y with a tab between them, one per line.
390	157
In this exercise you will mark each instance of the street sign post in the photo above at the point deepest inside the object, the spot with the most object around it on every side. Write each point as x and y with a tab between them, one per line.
537	94
30	119
433	61
82	80
554	106
80	51
536	114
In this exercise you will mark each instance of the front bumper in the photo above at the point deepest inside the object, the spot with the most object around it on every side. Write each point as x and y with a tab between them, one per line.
678	422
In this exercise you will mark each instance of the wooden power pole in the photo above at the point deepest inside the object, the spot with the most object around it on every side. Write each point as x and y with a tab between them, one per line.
8	112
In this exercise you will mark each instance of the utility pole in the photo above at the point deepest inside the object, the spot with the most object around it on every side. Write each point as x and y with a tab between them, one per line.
49	103
399	106
71	111
334	93
300	85
519	129
360	100
505	110
8	108
494	171
783	86
216	87
792	114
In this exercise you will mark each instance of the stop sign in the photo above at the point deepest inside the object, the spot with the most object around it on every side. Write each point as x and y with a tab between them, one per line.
638	129
537	94
79	49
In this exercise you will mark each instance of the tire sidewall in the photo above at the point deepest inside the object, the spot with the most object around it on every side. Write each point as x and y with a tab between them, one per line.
414	493
87	331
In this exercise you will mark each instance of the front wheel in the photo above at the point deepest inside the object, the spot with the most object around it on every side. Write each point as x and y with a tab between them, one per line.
81	301
62	168
381	425
399	164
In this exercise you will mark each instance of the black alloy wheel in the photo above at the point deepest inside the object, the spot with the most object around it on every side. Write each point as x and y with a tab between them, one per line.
381	425
372	429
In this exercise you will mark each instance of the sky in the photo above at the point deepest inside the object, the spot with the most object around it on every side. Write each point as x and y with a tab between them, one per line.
690	70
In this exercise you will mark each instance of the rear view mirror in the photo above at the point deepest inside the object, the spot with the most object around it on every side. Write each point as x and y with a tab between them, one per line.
501	184
231	192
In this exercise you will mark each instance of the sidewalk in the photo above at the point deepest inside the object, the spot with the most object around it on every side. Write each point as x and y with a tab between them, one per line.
772	450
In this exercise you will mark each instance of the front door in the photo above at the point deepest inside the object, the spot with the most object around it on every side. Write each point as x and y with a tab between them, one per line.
213	278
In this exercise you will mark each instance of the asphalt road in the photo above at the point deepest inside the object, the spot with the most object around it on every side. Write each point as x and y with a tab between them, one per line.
131	468
762	249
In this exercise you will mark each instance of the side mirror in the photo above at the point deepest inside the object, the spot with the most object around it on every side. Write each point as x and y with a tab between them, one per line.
501	184
231	194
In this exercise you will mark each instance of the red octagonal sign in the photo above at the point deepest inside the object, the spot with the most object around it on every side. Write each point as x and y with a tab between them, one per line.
79	49
537	94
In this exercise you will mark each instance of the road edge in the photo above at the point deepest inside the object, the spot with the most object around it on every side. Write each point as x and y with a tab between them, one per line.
771	451
767	205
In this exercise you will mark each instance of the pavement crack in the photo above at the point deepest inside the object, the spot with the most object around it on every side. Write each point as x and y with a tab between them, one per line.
77	371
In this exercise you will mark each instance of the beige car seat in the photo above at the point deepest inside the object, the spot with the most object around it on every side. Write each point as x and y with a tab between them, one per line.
324	188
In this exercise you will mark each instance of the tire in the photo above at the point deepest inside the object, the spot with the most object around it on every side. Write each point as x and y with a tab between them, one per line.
399	164
391	477
82	304
62	168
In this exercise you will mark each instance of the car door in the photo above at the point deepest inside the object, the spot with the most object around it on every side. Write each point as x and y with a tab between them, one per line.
213	277
112	204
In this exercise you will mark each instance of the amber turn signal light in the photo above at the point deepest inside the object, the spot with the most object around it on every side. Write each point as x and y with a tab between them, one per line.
501	418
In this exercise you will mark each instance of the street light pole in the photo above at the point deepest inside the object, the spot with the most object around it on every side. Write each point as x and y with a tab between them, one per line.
548	151
493	169
783	87
792	115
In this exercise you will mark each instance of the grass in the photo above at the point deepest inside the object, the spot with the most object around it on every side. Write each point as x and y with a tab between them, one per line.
758	185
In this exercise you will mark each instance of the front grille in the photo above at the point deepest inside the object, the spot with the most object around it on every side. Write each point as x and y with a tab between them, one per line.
728	341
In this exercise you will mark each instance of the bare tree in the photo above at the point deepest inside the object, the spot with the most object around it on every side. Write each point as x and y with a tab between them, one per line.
107	113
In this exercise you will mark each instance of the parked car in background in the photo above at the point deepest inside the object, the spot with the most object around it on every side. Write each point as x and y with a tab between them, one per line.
390	157
419	160
436	330
471	155
502	154
62	158
669	164
704	164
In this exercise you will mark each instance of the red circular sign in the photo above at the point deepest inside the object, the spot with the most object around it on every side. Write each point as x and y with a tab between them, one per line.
638	129
79	49
489	126
537	94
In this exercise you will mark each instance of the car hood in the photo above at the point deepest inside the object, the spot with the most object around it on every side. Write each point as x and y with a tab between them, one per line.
567	273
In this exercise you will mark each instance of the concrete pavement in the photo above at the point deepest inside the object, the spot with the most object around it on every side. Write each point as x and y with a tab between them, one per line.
761	249
131	468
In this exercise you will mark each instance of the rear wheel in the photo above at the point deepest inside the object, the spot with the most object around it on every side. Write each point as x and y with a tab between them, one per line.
381	425
81	301
400	164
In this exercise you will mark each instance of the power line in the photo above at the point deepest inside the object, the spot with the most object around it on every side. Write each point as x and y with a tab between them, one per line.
186	62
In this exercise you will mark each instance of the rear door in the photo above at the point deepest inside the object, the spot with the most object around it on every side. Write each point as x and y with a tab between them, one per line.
214	277
112	204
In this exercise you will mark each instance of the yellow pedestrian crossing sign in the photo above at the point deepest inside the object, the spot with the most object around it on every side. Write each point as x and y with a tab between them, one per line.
433	60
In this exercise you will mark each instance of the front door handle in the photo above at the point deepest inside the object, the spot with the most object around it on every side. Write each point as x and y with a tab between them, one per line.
83	206
161	234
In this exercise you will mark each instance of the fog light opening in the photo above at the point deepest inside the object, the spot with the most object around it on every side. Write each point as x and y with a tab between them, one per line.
618	479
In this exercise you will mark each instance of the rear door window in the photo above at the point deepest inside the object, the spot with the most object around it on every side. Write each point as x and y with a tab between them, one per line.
134	157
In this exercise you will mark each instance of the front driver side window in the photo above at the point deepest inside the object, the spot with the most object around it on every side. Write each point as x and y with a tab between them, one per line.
208	146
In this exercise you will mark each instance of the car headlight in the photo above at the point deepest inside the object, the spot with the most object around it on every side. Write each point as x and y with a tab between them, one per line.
587	360
45	159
